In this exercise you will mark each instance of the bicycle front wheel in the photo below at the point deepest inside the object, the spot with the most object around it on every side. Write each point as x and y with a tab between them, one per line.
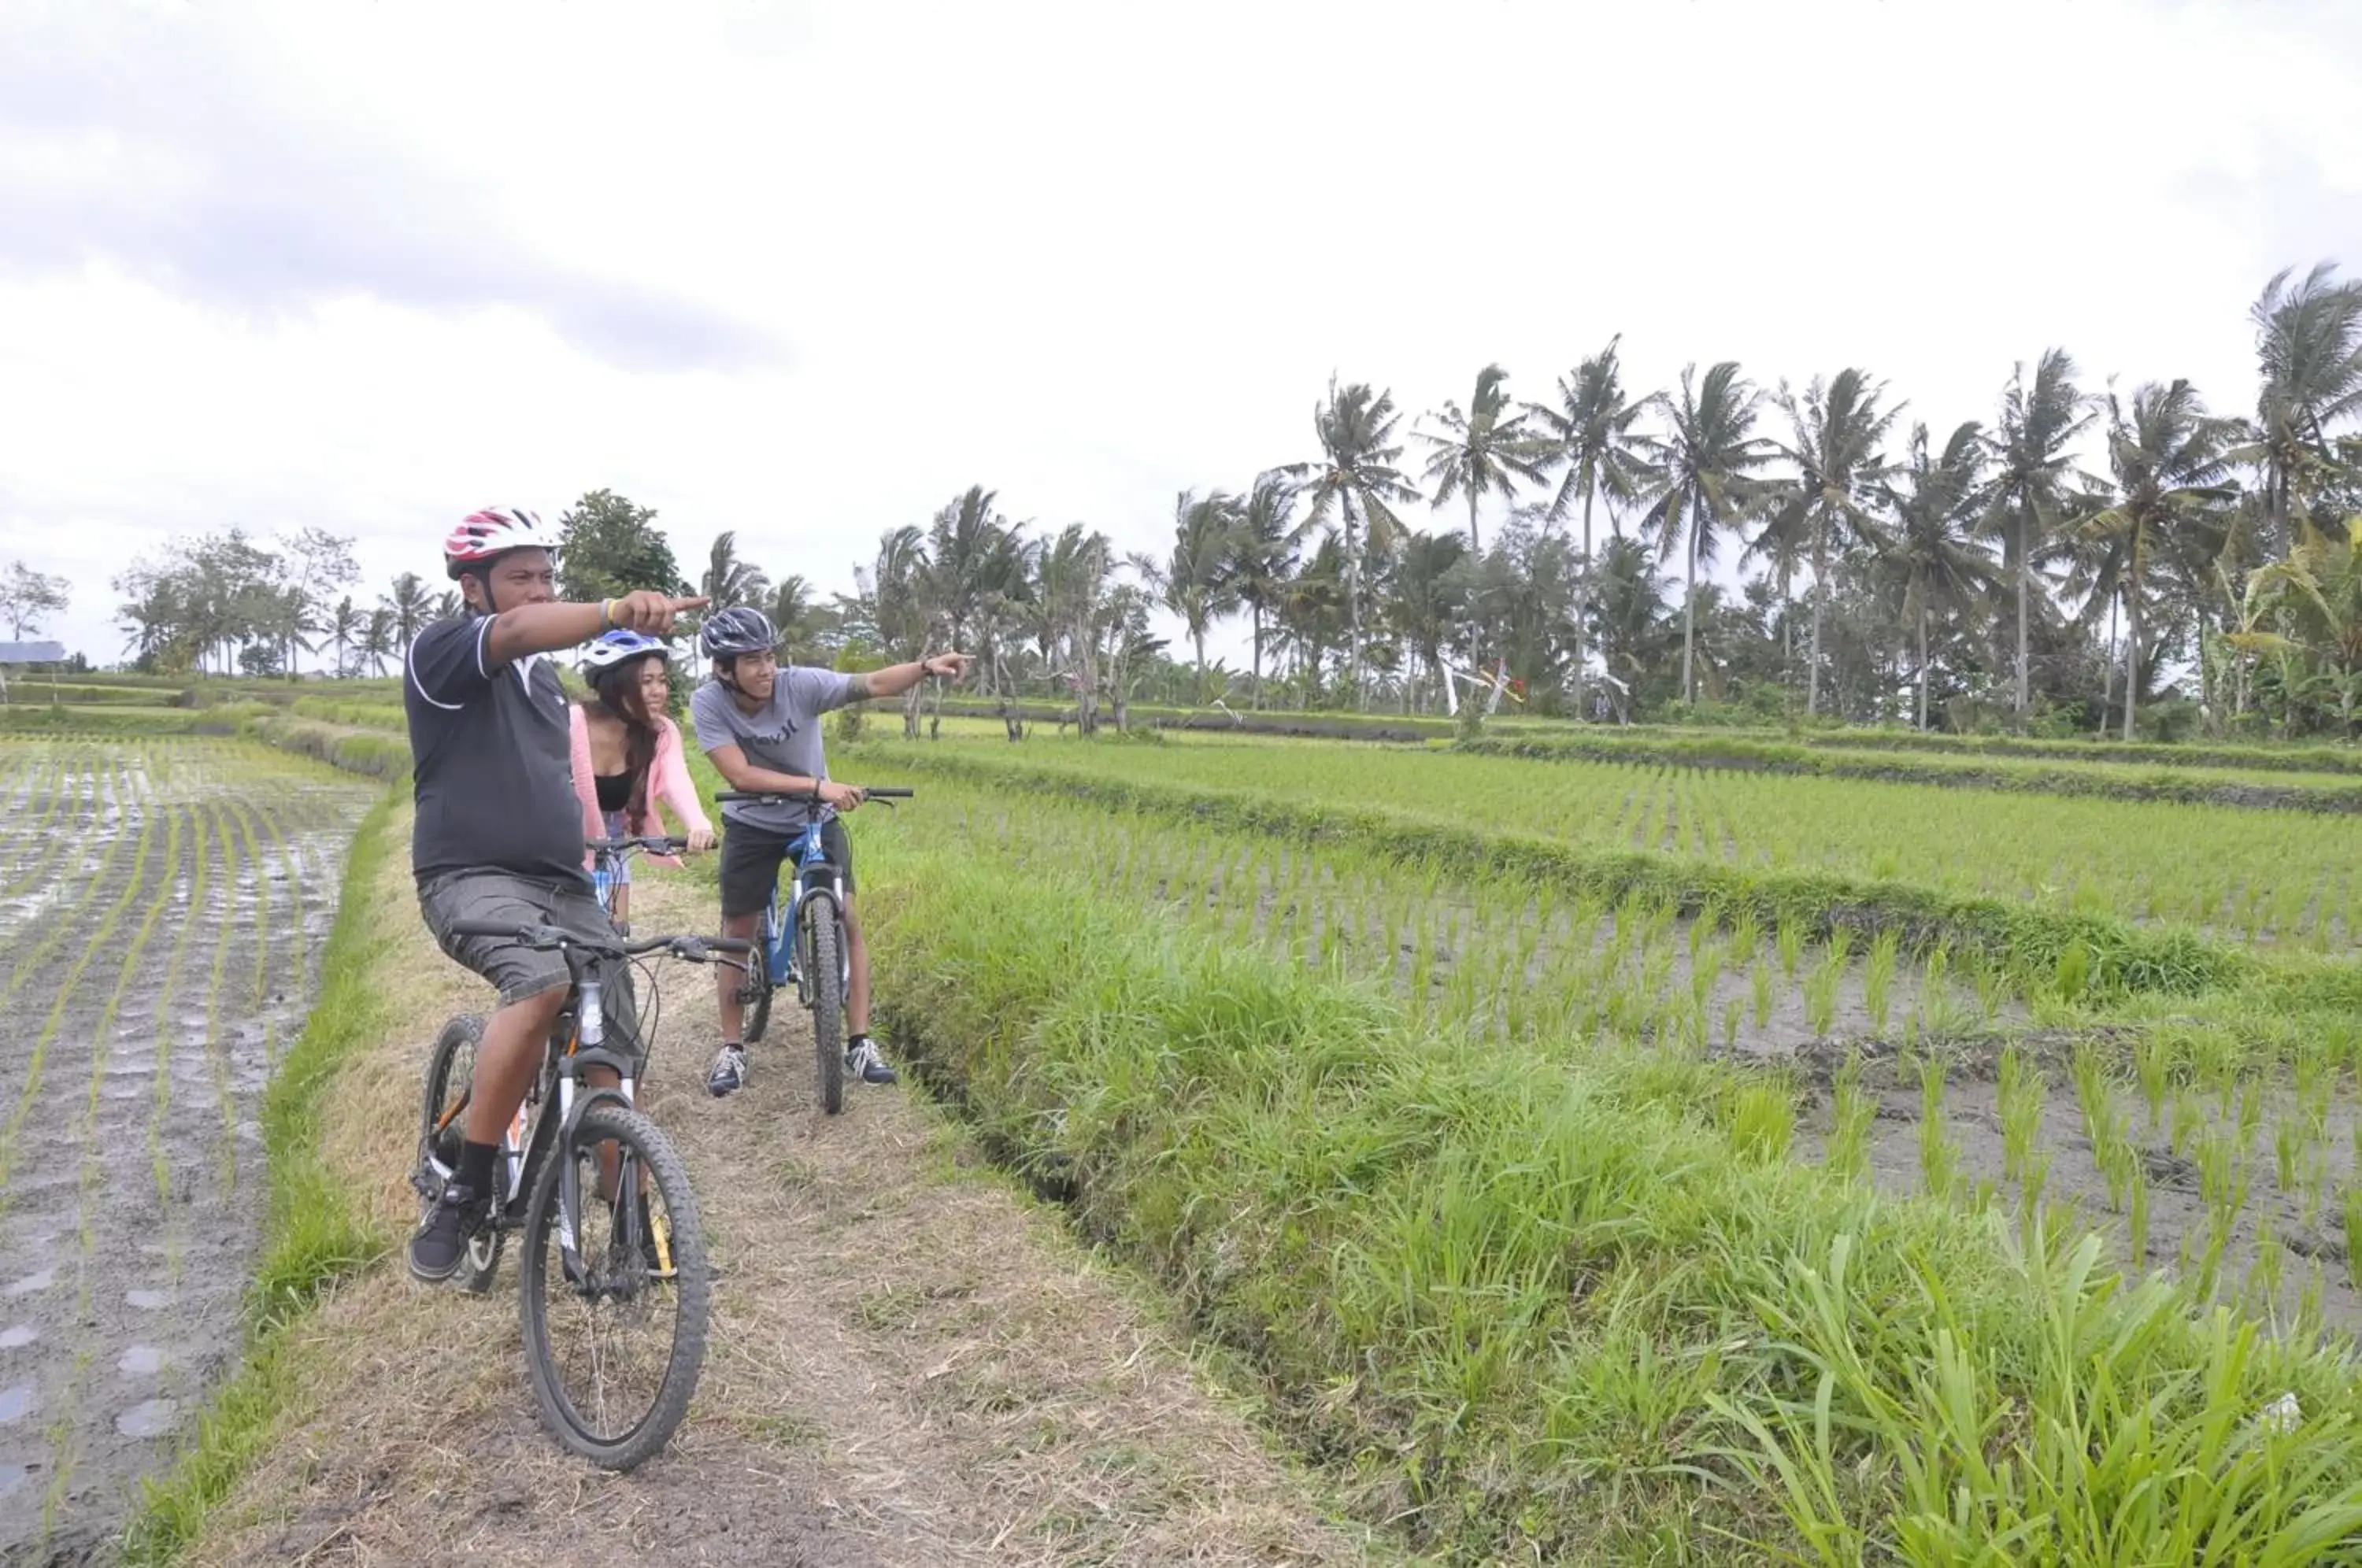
824	971
614	1345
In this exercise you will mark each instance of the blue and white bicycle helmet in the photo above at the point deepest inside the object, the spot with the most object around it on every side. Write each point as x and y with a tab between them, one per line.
619	646
739	630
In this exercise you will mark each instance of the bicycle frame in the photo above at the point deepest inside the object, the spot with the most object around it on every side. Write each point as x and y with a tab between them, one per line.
781	925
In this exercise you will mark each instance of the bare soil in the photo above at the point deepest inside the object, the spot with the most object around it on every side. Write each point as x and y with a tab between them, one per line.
910	1363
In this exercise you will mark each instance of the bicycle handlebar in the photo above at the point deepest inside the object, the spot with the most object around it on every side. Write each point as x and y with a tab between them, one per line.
811	797
653	842
693	949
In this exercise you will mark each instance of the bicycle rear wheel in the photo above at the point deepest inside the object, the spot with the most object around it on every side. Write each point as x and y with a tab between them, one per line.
614	1352
450	1081
824	971
757	992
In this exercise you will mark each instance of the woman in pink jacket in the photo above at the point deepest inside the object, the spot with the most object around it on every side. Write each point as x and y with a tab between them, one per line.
627	755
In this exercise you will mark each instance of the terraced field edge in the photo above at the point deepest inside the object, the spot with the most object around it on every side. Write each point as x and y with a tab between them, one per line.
313	1233
2120	782
2059	952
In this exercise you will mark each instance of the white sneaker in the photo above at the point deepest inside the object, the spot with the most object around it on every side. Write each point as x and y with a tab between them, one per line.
863	1062
729	1074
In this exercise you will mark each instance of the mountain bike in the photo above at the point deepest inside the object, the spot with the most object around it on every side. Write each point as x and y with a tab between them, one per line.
578	1159
608	856
802	944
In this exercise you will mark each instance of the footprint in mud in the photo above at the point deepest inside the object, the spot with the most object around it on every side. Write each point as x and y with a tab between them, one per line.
149	1418
15	1404
32	1282
142	1361
17	1336
148	1300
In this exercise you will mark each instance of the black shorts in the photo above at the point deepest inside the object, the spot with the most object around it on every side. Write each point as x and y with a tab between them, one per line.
751	857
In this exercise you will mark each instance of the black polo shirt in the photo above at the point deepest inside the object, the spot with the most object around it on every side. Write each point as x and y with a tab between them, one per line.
492	763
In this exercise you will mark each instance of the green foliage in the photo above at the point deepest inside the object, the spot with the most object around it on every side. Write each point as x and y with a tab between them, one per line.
606	546
1546	1301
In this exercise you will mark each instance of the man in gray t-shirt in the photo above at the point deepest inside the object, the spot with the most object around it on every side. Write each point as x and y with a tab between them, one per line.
759	722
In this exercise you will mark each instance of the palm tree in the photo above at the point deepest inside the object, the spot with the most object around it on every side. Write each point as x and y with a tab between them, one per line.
2317	593
410	606
2169	458
1630	611
1591	435
1837	441
792	612
2309	348
1356	475
344	630
1429	599
729	581
377	643
1699	475
2039	421
1196	581
1264	544
1481	452
1936	504
449	605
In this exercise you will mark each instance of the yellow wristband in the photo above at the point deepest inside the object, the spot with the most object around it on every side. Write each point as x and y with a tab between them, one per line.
606	614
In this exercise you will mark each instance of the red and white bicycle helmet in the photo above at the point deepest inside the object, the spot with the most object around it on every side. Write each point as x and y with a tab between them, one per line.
483	536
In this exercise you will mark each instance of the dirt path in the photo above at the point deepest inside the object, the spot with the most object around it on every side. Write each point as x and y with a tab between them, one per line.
910	1363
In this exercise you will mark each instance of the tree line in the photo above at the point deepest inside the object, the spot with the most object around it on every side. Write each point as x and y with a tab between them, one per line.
1888	571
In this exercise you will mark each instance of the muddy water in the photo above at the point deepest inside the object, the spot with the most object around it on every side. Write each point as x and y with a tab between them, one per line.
163	909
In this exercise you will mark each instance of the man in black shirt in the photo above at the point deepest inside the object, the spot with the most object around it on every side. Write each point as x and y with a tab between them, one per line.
498	834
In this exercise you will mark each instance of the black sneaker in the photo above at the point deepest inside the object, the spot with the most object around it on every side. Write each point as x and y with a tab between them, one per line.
864	1061
439	1245
729	1074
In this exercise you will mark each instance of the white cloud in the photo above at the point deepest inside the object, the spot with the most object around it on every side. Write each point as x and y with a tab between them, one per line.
807	272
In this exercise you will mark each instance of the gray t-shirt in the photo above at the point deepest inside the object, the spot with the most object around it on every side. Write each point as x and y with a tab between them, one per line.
782	736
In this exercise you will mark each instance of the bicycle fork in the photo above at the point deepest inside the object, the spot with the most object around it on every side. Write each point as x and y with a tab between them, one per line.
592	1019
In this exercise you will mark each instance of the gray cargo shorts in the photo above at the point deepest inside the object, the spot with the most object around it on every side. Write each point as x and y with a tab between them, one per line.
521	972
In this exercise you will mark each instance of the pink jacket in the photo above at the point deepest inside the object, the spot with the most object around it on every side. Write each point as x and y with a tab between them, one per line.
668	781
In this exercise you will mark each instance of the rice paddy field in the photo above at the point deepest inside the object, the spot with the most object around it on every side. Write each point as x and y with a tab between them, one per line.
1625	1161
162	903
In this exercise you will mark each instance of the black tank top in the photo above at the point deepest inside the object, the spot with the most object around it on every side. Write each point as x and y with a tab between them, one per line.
614	790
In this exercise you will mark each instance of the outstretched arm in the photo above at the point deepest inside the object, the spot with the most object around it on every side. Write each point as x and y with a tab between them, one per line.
897	678
545	628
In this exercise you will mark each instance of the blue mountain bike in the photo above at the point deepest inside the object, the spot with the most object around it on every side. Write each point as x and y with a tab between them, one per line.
802	940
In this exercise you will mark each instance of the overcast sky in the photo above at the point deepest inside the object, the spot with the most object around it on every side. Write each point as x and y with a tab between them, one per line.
808	272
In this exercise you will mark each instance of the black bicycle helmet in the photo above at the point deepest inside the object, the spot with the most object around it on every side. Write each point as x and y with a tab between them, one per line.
741	630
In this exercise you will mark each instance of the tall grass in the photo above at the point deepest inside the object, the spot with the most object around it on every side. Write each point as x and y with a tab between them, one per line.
1561	1302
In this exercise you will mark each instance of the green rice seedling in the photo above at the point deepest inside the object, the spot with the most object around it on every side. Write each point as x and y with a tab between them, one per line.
1852	1113
1706	971
1746	935
2271	1262
2353	1208
1731	1011
2149	1065
1878	977
1991	987
2291	1142
1938	1158
1759	985
2137	1192
2102	1117
1821	995
1791	941
2019	1095
1762	1121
